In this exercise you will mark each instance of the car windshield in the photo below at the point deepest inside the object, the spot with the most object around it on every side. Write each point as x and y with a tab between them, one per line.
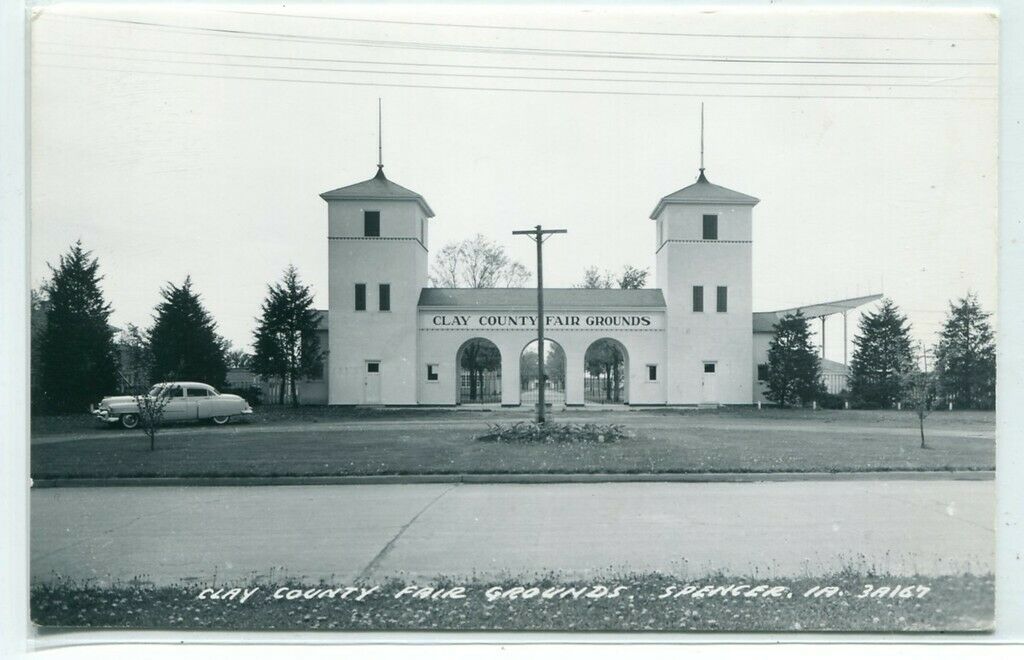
155	392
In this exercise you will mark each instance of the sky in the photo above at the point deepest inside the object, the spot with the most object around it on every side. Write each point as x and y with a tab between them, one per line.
196	141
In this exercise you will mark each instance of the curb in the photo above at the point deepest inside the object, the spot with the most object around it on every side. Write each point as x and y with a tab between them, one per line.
567	478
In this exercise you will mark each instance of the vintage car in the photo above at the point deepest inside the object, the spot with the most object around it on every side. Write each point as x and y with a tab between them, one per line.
185	401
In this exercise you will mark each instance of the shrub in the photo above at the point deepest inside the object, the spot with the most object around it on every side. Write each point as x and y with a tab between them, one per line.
551	432
831	401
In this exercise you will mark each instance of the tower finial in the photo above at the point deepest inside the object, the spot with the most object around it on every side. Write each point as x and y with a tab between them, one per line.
702	138
380	139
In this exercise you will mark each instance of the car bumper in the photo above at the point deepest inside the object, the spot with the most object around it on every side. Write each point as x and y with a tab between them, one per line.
247	411
103	414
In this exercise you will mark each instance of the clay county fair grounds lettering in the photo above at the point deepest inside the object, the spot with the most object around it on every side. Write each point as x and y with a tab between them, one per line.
530	321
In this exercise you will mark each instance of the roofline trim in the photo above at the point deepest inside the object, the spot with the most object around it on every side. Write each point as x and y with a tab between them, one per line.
328	197
706	202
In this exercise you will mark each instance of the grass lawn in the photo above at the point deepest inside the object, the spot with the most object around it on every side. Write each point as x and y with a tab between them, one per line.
951	603
664	442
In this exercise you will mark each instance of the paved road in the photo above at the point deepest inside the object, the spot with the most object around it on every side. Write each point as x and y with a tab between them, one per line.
341	533
636	420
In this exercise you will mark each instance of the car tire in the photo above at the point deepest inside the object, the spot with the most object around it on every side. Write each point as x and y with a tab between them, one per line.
129	421
220	420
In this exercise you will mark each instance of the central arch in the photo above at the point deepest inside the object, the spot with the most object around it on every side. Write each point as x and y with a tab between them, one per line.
554	368
479	365
606	372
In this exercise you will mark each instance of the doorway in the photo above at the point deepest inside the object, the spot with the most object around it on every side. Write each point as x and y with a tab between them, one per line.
371	382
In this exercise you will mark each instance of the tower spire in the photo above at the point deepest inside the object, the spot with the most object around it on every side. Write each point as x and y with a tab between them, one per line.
701	177
380	140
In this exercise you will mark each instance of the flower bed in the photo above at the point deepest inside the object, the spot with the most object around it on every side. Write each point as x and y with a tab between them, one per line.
551	432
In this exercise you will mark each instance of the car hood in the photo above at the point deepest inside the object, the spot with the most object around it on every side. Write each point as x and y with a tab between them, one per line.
115	400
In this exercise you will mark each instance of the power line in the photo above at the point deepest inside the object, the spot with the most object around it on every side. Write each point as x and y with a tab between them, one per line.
519	89
477	26
756	74
511	77
550	52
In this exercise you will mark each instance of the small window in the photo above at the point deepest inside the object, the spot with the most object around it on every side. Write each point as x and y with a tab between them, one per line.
385	298
373	367
360	297
698	299
175	393
710	227
371	223
652	373
709	367
432	372
723	299
196	391
762	372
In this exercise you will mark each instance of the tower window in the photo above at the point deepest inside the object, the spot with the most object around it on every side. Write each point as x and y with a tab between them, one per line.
432	372
723	299
371	223
385	297
698	299
710	227
360	297
709	367
762	372
652	373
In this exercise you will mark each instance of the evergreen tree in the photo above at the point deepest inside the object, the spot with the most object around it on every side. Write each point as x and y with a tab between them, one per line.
183	340
966	356
77	359
794	370
286	344
882	356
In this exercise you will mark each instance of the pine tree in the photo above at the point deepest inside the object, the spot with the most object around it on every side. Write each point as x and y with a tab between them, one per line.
882	357
184	340
966	356
77	358
794	370
286	344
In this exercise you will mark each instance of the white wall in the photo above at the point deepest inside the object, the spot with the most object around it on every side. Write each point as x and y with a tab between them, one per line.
684	259
397	258
760	356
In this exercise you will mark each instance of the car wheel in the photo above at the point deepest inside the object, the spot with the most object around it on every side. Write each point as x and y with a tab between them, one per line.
220	419
129	421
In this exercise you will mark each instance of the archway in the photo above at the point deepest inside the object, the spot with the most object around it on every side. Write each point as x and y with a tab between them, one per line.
479	363
554	368
606	372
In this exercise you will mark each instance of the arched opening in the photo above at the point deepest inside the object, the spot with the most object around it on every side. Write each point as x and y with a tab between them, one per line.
606	372
554	368
479	380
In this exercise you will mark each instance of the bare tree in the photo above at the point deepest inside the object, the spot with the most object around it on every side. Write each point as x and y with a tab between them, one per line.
477	263
150	402
919	390
151	409
631	278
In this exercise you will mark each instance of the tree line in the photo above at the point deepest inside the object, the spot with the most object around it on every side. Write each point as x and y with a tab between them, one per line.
885	370
77	356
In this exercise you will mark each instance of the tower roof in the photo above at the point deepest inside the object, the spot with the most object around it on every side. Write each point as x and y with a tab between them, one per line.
378	188
704	192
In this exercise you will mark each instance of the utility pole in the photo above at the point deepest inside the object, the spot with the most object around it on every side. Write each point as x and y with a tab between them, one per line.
538	235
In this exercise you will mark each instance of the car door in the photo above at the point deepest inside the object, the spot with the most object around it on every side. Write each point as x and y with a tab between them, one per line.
206	402
177	407
194	402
